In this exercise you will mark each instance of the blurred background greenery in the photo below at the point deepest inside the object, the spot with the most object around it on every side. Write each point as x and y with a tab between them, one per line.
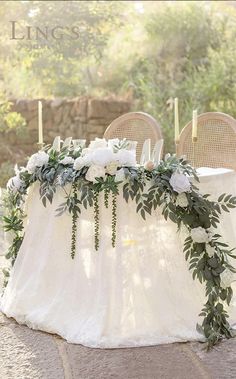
146	51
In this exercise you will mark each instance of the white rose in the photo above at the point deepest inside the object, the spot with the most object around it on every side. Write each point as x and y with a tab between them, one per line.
37	160
126	157
120	175
210	250
67	160
226	278
94	172
179	182
102	156
98	143
82	162
111	168
14	184
199	235
182	200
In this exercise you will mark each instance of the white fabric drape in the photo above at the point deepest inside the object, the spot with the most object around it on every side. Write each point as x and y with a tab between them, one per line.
138	293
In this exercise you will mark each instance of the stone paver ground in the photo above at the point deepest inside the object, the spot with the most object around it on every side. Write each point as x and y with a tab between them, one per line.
28	354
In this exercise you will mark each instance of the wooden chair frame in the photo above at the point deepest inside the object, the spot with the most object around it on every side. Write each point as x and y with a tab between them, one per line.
136	126
216	141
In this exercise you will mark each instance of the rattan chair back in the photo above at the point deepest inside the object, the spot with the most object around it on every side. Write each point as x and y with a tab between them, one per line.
135	126
216	141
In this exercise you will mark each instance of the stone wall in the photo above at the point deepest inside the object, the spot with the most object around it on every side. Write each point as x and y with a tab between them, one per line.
84	117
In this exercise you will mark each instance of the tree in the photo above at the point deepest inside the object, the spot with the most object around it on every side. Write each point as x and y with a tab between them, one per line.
149	52
182	49
55	44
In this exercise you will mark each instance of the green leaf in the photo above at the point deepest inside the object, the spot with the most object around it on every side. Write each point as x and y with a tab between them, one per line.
224	208
213	262
143	214
227	198
139	207
221	197
173	217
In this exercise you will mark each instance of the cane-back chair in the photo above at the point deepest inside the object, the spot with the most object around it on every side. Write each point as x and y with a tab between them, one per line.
216	141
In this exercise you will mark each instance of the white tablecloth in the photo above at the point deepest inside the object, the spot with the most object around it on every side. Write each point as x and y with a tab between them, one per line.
138	293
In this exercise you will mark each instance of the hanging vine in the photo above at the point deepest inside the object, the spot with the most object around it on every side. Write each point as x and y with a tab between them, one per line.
114	219
74	209
106	197
96	220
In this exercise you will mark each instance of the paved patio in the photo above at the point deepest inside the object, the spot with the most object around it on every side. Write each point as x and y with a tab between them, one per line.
28	354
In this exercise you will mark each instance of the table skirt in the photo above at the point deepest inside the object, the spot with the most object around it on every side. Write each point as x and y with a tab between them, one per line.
137	294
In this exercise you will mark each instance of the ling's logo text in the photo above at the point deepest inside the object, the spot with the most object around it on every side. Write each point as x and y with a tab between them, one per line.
29	33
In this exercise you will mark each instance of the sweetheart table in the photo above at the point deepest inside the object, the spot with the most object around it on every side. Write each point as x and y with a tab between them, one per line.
138	293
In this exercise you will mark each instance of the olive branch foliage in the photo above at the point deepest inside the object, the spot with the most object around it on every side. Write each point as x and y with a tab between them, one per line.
149	191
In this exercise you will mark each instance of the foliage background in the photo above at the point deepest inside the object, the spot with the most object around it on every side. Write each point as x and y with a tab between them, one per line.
145	51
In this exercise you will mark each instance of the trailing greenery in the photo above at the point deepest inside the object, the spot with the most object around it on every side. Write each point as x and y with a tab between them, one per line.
13	219
106	197
166	187
96	220
114	219
75	210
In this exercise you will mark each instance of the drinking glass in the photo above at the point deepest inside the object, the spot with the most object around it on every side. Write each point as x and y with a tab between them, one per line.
79	143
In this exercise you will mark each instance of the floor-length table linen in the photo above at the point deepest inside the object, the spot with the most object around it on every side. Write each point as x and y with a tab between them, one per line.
138	293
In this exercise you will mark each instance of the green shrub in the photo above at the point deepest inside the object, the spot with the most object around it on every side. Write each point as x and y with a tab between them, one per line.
6	172
185	50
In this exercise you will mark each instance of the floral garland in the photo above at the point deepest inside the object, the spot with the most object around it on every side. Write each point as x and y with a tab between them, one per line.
107	167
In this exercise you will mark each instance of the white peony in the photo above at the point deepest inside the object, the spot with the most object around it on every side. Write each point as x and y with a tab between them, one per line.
111	168
14	184
182	200
226	278
210	250
95	171
98	143
37	160
199	235
126	157
120	175
67	160
180	183
102	156
82	162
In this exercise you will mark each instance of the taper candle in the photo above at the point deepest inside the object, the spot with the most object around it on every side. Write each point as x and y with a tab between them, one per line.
176	120
40	122
194	126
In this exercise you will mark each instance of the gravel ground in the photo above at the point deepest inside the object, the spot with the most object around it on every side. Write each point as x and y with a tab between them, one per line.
28	354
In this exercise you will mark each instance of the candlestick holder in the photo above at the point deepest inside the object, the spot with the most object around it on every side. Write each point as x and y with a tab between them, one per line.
194	141
40	145
177	147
